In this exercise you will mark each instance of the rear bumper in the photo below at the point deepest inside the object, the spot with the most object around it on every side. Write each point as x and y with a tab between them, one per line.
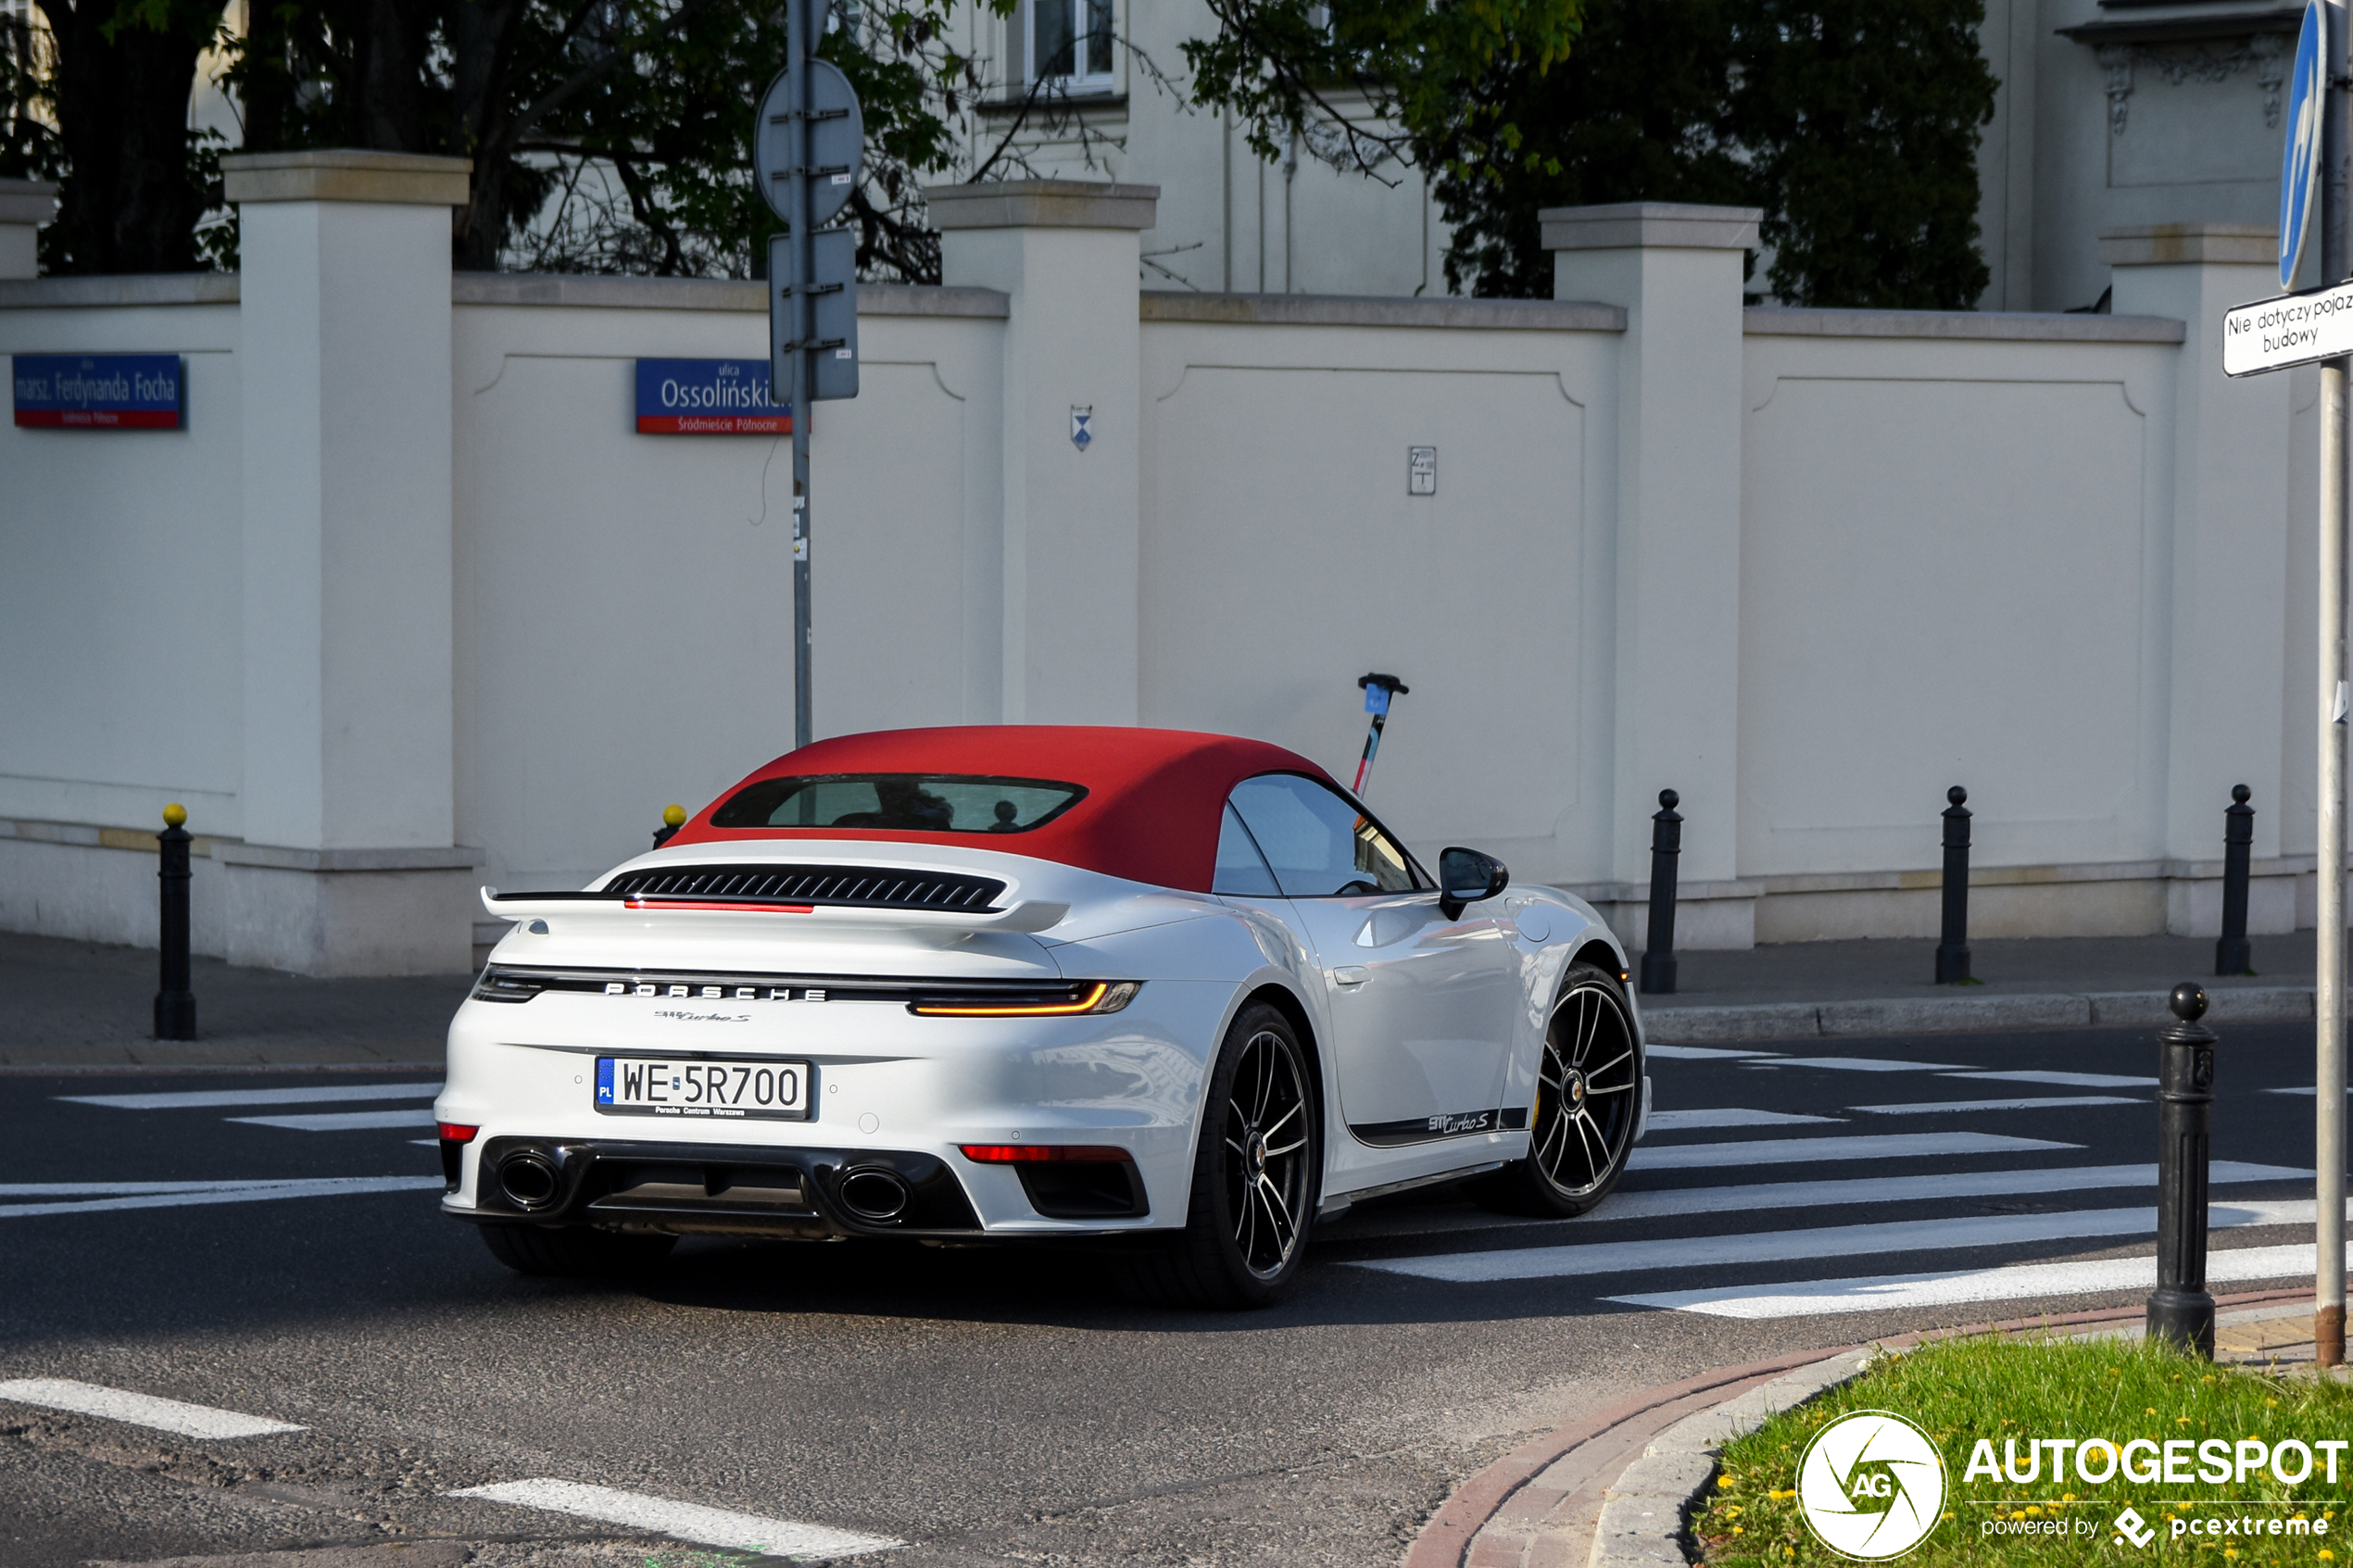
719	1189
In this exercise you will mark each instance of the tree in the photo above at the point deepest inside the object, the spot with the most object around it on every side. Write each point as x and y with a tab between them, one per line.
134	178
1853	123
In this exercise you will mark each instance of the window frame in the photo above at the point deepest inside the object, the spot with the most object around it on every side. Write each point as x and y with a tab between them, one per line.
1023	24
1423	881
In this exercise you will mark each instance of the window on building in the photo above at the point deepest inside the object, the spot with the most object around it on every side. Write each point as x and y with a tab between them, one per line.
1070	40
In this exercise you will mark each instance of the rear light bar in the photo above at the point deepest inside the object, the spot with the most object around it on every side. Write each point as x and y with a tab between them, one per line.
1043	1153
1102	996
455	1132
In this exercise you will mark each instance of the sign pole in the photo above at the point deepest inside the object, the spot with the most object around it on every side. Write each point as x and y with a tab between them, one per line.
804	27
2329	1001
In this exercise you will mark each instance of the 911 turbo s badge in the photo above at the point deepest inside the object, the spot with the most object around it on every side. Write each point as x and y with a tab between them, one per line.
1453	1125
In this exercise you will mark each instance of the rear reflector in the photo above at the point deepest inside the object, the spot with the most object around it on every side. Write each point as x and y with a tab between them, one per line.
1040	1153
452	1131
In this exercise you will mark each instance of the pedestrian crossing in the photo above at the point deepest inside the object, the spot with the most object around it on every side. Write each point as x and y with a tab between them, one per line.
1777	1208
267	1100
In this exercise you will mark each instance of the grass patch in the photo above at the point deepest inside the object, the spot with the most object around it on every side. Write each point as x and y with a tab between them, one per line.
2019	1392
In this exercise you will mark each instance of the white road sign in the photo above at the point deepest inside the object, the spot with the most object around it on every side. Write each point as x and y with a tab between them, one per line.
2295	328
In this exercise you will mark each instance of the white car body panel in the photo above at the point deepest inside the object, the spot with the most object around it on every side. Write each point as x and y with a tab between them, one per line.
886	1079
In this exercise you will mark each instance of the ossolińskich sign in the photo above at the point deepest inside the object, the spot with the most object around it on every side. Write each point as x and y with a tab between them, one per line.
2296	329
100	391
708	397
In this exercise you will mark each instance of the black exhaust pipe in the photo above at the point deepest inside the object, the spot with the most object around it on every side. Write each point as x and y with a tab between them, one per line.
875	1192
528	1179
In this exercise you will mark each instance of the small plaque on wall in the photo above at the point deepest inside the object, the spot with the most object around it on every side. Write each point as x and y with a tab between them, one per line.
100	391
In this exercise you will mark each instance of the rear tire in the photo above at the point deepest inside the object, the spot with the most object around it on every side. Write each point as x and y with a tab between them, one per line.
1588	1099
1257	1174
575	1253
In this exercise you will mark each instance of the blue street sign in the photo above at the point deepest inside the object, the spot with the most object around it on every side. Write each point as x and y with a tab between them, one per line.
101	391
2300	161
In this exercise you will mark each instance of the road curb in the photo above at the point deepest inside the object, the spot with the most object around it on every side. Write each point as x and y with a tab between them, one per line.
1939	1015
1645	1510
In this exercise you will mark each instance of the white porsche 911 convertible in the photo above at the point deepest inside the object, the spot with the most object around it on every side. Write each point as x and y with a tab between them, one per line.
1178	993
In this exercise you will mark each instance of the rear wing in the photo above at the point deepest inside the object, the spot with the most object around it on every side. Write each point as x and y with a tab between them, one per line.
1030	915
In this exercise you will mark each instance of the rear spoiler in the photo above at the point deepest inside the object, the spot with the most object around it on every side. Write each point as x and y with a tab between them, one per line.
1030	915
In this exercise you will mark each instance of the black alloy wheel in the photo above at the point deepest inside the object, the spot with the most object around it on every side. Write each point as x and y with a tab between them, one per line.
1256	1177
1589	1101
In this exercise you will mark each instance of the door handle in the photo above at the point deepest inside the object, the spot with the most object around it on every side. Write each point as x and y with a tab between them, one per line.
1348	976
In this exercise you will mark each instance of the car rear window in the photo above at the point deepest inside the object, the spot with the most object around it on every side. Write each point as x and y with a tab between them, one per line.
920	802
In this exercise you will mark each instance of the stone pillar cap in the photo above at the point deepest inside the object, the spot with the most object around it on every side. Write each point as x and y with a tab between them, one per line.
28	201
1650	226
347	174
2165	245
1042	204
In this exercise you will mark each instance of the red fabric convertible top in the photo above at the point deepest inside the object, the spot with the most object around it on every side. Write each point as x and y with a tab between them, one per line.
1153	796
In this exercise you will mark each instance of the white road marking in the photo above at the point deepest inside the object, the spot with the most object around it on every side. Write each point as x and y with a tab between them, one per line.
341	1121
1827	1241
1860	1064
199	1099
683	1521
139	1409
2015	1283
1767	1196
2071	1080
1797	1151
320	1186
2304	1089
1728	1116
2042	1102
1702	1053
120	1190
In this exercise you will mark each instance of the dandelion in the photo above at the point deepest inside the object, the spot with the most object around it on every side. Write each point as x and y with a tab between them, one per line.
1948	1513
2327	1556
2181	1421
2150	1410
1724	1480
2066	1497
1736	1529
2230	1551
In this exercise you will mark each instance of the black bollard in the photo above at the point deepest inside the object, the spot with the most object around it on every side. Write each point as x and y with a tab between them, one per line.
2180	1309
673	819
175	1004
1666	848
2233	953
1951	952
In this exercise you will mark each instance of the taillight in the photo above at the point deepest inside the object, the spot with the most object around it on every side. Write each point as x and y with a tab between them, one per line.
453	1132
1102	995
1040	1153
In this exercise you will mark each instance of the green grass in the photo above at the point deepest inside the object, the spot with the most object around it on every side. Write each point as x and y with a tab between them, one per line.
1961	1390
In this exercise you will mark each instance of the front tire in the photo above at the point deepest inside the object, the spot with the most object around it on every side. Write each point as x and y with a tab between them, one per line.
573	1252
1257	1174
1588	1099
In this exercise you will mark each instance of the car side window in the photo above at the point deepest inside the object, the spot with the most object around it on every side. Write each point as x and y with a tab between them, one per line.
1319	845
1241	870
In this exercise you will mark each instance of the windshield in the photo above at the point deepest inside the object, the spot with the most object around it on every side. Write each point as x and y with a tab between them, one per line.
922	802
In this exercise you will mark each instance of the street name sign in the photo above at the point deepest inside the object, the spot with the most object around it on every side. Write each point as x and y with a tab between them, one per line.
2296	329
708	397
100	391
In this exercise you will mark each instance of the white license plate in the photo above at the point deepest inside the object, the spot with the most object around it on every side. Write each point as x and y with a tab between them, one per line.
632	1086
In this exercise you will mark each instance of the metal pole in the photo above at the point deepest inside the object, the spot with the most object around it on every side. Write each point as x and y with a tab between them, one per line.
2233	953
2328	1318
2180	1309
1952	951
805	25
175	1003
1666	852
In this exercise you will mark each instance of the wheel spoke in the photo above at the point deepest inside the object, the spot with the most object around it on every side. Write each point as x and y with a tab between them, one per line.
1622	1056
1293	1147
1587	1135
1557	1133
1279	1215
1276	1124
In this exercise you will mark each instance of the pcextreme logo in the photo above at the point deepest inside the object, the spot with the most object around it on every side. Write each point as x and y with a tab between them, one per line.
1871	1486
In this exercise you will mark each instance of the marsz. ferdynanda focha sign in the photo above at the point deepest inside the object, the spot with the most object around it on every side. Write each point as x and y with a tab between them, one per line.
100	391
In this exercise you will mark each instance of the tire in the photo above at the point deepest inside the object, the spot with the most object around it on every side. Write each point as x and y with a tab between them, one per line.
1257	1174
1589	1101
574	1252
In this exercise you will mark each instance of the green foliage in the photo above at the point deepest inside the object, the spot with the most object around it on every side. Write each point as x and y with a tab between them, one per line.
1853	123
1961	1390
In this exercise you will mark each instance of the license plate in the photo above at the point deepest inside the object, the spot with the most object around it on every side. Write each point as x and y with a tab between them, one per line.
776	1091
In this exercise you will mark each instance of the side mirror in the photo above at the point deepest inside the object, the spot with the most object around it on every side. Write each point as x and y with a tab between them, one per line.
1466	876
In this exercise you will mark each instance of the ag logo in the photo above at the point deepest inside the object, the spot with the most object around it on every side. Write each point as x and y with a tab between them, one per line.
1871	1486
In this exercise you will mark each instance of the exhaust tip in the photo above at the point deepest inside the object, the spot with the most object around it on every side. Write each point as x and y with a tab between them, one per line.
528	1179
873	1193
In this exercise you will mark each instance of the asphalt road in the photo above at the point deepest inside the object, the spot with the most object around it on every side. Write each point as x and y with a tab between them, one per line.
1000	1407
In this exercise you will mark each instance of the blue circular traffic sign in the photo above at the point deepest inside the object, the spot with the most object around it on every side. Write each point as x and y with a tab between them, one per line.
2300	161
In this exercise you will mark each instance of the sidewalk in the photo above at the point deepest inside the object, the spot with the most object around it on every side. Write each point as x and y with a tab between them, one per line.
1806	990
78	1006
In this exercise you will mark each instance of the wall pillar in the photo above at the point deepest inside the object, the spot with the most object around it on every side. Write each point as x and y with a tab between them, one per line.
1066	252
2229	478
25	206
1677	271
348	865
